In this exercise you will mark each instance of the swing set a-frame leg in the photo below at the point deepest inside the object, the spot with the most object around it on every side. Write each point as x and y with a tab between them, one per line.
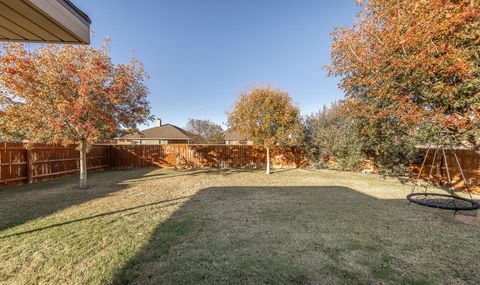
454	201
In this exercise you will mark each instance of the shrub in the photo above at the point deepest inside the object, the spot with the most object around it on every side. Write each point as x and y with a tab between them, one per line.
332	140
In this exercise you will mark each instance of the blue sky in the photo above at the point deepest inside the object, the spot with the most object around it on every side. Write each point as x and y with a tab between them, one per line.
201	53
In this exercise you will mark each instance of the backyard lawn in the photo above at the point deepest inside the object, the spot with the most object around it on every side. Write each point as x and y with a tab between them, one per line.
149	226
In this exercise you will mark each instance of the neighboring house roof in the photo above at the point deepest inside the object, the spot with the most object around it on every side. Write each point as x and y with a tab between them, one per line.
231	135
55	21
166	131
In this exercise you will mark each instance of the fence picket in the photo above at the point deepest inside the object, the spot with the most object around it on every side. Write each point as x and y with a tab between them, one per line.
199	156
42	162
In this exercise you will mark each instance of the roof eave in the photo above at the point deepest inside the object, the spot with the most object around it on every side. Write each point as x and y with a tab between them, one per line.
43	21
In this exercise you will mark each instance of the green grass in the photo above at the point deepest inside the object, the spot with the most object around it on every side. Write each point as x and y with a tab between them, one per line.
231	227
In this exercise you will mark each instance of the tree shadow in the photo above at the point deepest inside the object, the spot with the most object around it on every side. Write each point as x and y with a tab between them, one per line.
159	204
23	203
298	235
193	172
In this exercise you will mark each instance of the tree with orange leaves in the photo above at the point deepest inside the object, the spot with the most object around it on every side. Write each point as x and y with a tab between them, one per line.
410	69
69	95
268	117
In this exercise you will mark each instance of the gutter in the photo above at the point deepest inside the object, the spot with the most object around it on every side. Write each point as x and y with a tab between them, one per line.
76	11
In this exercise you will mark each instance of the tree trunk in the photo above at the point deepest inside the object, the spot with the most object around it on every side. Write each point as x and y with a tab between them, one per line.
83	164
268	161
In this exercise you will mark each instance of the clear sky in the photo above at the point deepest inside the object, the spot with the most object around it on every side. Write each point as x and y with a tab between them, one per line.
201	53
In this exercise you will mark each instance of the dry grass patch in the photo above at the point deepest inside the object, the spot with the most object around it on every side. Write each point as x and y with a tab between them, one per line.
209	226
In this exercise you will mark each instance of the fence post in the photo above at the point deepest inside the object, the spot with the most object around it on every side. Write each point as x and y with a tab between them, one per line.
28	157
108	156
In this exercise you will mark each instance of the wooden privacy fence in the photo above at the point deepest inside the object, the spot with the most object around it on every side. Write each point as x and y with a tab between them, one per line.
43	162
202	156
19	165
469	161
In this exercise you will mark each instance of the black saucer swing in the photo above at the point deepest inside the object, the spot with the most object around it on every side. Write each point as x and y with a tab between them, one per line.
448	200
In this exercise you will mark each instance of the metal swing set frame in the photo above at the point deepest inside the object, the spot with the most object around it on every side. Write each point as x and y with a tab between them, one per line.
449	200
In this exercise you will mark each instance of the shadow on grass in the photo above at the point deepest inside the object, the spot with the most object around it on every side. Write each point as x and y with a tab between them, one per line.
159	204
192	172
23	203
297	235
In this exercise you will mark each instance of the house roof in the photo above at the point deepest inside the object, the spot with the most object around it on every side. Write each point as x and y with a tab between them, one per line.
55	21
231	135
167	131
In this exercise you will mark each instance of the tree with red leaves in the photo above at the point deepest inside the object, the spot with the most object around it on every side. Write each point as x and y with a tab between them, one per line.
410	69
65	94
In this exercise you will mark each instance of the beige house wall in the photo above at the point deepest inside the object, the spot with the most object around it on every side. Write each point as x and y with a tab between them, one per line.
232	142
150	141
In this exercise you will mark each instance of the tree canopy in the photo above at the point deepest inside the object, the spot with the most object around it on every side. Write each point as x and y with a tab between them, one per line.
332	140
268	117
206	131
411	69
63	94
